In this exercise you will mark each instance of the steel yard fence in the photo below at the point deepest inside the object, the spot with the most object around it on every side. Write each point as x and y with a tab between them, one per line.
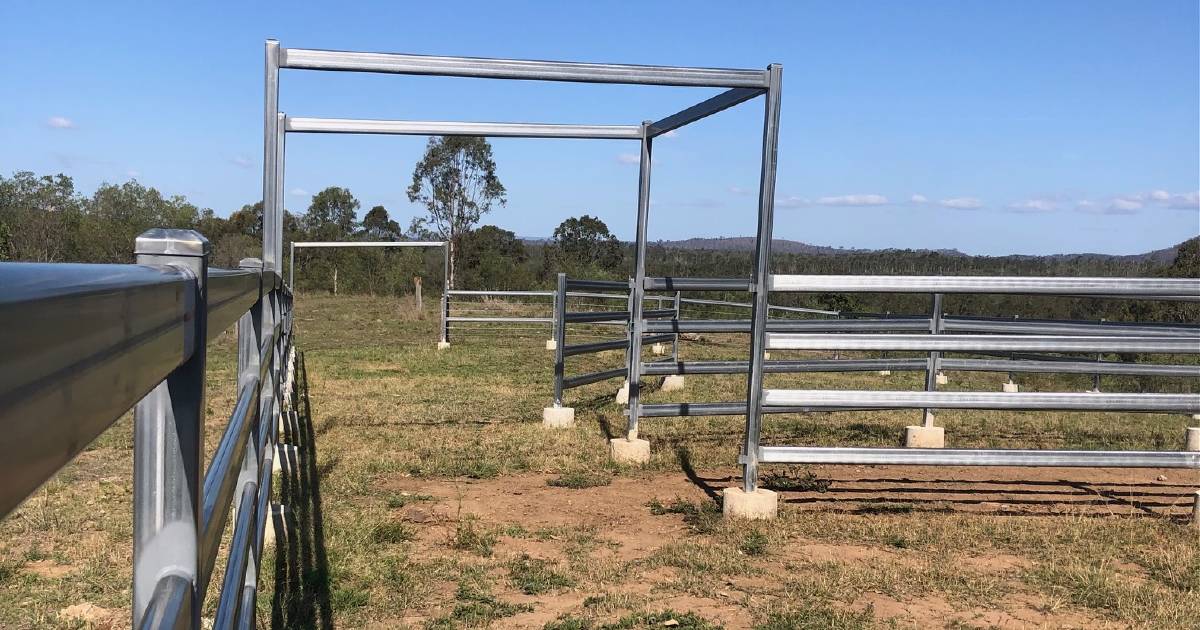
137	339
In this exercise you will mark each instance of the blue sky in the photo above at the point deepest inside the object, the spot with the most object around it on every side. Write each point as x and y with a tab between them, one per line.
991	127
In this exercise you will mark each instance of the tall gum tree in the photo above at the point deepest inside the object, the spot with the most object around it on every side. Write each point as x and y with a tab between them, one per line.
456	182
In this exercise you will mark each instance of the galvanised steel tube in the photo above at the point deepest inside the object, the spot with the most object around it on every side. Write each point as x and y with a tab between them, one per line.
658	313
230	293
684	410
221	476
975	343
596	316
633	359
1122	287
171	605
593	377
935	328
452	128
614	285
703	109
502	320
59	391
590	348
270	155
1070	367
761	277
560	336
787	367
482	68
976	457
789	325
1029	401
1044	327
504	293
696	284
169	439
235	572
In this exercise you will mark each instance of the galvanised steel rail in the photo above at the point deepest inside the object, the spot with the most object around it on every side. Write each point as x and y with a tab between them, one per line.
562	317
997	337
84	343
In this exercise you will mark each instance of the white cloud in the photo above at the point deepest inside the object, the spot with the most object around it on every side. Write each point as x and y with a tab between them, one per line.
852	200
919	199
629	158
1034	205
298	192
1158	195
674	133
1123	205
738	190
961	203
241	161
791	201
1186	201
60	122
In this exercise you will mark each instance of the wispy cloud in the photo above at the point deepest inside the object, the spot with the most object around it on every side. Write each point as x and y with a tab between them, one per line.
1185	201
792	201
241	161
1034	206
738	190
629	158
918	199
961	203
60	122
298	192
852	200
1123	205
1138	202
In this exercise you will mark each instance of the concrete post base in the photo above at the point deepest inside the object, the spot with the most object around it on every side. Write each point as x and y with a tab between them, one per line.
924	437
558	417
941	379
623	394
625	451
758	505
551	344
1011	388
442	345
885	372
672	383
657	348
766	356
276	525
1196	416
1192	439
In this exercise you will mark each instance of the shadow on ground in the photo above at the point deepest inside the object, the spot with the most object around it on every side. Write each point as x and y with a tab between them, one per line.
301	597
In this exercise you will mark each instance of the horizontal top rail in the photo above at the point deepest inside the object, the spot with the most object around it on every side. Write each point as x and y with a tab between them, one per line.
1089	401
454	128
484	68
615	285
696	284
866	456
299	244
502	293
1172	288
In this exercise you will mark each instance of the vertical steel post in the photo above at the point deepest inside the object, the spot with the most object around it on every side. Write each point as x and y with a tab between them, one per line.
560	337
675	339
443	316
270	151
280	153
292	267
760	283
169	440
1096	376
638	289
249	343
931	369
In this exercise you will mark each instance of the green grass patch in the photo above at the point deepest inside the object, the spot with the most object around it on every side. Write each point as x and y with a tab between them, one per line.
535	576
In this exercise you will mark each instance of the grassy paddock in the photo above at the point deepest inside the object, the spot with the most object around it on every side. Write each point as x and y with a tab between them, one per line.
442	503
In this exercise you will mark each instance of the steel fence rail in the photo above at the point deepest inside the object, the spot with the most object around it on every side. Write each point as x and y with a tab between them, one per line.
1036	401
96	339
974	343
976	457
1160	288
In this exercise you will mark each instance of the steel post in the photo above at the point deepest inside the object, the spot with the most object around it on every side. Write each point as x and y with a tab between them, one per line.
760	283
675	338
935	328
169	441
637	291
560	337
270	152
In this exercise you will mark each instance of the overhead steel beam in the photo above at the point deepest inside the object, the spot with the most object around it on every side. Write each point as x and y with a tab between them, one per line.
483	68
454	128
1175	288
704	109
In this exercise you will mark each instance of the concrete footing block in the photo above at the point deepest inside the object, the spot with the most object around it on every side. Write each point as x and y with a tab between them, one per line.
625	451
442	345
672	383
622	397
1192	439
558	417
276	525
885	372
941	379
1196	416
1011	388
551	344
758	505
658	348
766	356
924	437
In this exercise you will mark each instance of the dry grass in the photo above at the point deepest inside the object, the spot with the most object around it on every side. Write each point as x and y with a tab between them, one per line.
420	453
